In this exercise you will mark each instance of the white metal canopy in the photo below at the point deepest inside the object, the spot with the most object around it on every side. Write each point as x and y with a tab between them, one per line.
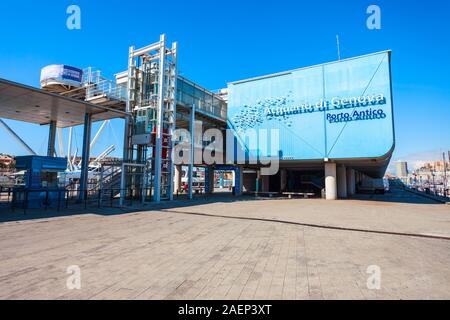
28	104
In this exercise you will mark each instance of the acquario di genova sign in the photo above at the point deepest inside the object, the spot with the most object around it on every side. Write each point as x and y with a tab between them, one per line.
326	105
366	107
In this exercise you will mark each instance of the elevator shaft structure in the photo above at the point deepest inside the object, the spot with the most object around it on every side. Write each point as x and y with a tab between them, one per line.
151	87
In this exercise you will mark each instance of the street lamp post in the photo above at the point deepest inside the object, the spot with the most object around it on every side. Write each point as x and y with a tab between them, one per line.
434	182
445	175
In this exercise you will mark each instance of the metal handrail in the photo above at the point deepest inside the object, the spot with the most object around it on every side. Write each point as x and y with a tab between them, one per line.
21	198
96	86
108	89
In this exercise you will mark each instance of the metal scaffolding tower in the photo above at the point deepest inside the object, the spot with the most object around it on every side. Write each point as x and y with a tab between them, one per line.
152	75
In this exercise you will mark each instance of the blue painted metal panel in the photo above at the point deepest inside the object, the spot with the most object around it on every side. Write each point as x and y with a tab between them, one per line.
340	110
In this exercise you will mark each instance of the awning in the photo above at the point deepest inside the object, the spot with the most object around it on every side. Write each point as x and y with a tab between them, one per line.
28	104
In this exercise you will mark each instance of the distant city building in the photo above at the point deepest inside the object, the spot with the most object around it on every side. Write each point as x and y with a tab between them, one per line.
437	166
432	176
402	169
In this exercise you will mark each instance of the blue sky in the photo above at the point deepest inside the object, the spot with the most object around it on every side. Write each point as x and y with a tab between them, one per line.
224	41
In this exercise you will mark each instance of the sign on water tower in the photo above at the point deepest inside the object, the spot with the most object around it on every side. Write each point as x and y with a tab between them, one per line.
62	75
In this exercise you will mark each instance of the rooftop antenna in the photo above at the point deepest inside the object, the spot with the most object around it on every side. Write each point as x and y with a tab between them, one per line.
338	47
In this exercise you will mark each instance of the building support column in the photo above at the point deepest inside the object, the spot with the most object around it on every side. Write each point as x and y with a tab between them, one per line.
178	177
258	181
191	155
342	182
51	139
359	177
330	181
85	155
265	183
284	179
209	185
351	183
238	181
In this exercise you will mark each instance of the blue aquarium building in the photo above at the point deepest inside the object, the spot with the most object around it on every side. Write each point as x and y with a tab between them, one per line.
333	125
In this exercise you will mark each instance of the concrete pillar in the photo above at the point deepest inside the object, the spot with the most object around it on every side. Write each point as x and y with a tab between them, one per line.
238	181
264	183
241	181
351	183
284	180
342	182
330	181
359	179
191	155
51	139
177	178
210	180
85	155
258	181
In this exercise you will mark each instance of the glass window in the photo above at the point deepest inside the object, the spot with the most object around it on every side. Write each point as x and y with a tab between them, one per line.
187	88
